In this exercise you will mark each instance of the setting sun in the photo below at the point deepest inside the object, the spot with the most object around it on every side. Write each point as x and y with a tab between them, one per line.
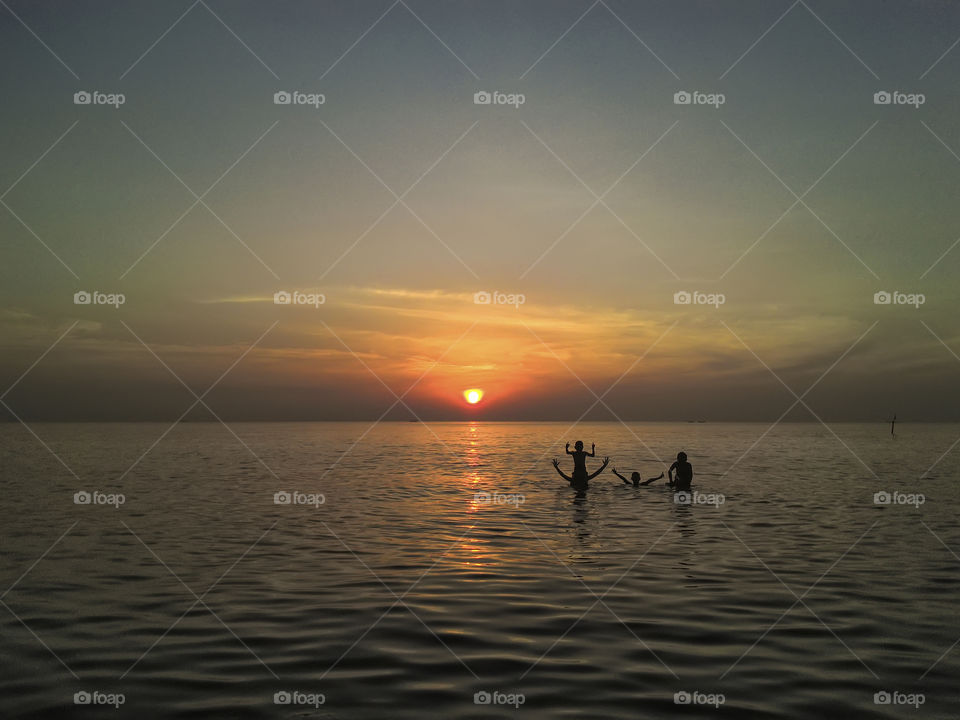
473	396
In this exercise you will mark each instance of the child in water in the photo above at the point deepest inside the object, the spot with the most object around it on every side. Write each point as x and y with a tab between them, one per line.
635	477
684	472
580	476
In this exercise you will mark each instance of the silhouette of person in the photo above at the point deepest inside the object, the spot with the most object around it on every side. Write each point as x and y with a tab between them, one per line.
635	477
580	476
684	472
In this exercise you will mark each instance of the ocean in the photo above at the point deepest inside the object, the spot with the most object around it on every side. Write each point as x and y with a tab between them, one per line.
334	570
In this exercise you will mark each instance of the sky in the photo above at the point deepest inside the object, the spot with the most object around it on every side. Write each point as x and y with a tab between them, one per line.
780	201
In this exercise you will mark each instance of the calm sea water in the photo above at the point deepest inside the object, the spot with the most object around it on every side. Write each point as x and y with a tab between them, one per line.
403	595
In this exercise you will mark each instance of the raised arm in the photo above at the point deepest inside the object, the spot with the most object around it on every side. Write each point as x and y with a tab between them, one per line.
606	460
593	450
556	466
568	449
658	477
614	471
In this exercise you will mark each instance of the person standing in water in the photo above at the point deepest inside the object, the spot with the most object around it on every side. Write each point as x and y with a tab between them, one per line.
580	476
684	472
635	477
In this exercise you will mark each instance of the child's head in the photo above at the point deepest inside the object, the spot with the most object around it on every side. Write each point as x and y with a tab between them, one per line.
681	457
578	445
635	476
